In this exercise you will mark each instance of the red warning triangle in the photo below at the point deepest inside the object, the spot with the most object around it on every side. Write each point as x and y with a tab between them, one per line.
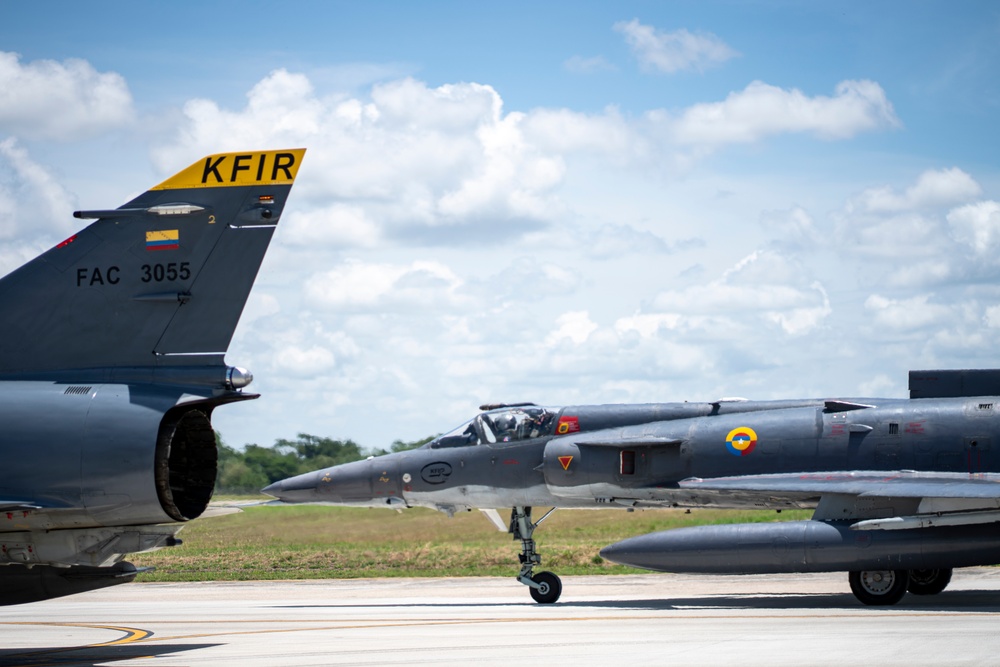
565	461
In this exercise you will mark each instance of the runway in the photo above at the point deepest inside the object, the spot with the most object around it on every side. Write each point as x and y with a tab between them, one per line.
773	620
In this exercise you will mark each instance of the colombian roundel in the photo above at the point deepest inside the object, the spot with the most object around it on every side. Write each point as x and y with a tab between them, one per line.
741	441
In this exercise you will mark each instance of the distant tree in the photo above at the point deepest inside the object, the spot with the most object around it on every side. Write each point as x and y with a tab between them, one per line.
235	476
313	452
273	463
256	466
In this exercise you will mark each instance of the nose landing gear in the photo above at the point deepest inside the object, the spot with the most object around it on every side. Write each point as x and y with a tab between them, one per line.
545	587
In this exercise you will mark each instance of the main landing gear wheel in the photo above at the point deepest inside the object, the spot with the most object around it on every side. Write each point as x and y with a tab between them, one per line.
545	586
879	587
549	588
929	582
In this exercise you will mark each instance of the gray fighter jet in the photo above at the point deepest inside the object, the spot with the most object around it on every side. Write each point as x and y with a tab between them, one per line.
903	490
112	352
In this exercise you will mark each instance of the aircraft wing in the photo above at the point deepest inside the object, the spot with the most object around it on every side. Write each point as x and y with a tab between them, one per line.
895	484
874	499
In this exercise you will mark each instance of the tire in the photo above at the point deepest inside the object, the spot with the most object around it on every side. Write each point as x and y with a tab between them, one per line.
929	582
551	588
879	587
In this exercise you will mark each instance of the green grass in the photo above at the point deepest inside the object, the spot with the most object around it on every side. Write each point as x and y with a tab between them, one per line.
309	542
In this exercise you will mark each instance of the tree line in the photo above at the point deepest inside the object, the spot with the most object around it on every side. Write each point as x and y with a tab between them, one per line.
255	467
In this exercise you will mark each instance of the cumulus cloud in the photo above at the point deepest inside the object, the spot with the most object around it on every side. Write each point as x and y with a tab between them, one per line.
355	283
977	226
794	228
574	326
612	240
762	287
45	99
671	52
933	188
762	110
35	200
931	233
417	157
301	362
607	134
528	278
339	225
911	314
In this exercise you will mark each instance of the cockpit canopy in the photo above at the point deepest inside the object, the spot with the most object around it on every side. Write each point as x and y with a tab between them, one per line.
505	424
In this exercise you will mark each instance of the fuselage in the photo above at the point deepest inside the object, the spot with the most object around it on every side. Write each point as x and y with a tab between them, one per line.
636	455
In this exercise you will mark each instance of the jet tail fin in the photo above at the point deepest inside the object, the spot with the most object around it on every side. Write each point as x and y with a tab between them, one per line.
160	281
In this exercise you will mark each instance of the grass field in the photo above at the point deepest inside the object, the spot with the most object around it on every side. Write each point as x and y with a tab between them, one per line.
310	542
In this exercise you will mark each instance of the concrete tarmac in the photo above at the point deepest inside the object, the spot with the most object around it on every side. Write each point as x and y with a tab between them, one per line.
773	620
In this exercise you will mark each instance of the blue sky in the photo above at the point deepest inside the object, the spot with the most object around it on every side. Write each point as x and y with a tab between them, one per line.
565	203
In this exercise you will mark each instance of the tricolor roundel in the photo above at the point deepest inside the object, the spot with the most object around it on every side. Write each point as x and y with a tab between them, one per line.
741	441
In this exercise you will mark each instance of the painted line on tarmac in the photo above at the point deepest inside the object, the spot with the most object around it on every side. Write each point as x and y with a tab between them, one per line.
49	657
325	624
130	634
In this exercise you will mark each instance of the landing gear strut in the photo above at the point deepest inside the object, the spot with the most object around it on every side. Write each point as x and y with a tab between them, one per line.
545	586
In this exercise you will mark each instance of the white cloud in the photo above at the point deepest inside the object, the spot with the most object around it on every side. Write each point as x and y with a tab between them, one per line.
45	99
648	325
337	225
977	225
918	241
575	326
528	278
301	362
943	187
414	157
355	283
762	287
621	240
608	134
35	200
794	227
910	314
992	317
673	51
762	110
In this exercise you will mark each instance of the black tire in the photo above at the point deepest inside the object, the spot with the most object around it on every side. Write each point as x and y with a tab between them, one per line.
929	582
879	587
551	588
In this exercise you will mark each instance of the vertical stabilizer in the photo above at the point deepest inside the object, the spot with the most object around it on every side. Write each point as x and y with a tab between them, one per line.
160	281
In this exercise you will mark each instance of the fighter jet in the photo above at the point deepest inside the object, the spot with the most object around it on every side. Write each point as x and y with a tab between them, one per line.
112	349
902	490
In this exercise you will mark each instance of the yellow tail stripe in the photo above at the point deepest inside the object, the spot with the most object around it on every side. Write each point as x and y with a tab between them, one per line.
277	167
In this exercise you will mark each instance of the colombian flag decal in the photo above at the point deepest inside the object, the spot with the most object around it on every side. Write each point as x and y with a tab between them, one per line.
741	441
164	239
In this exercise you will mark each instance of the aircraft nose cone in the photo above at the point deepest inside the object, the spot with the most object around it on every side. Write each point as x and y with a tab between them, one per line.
298	489
348	483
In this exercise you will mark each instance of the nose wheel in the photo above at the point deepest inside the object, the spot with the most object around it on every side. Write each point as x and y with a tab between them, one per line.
545	587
